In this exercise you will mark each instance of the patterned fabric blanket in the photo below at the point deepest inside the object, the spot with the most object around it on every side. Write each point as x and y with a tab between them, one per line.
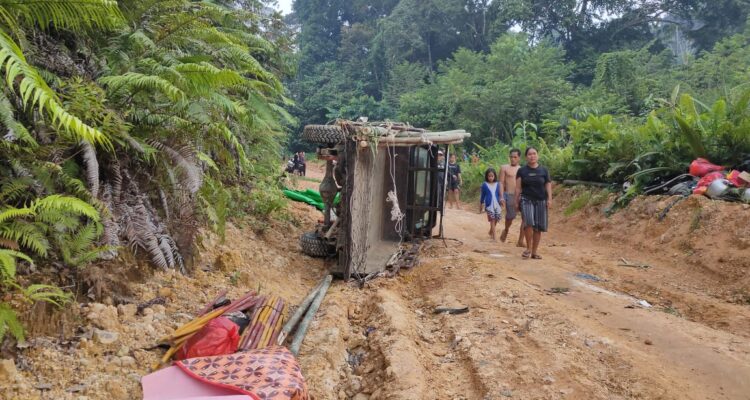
267	374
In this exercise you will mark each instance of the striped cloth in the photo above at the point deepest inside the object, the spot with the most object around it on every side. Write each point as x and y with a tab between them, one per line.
534	213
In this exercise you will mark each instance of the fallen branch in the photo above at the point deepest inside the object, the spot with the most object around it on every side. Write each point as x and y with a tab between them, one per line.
210	305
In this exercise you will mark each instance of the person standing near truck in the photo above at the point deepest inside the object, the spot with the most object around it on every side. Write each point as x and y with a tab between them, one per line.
302	163
454	182
508	194
441	177
534	200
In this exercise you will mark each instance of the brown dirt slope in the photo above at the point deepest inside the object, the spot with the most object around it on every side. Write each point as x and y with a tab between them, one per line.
80	366
536	329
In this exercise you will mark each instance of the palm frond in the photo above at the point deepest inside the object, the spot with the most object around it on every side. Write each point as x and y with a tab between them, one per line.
16	130
13	213
9	323
46	293
65	14
204	77
35	93
92	168
134	81
28	235
68	204
192	177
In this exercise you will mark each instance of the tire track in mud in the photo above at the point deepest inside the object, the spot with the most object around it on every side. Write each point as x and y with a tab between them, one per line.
516	345
407	355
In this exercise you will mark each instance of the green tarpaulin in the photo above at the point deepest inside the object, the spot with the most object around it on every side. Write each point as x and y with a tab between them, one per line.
310	197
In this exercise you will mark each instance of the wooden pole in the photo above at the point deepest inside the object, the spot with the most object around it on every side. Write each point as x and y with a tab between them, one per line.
292	321
302	330
456	137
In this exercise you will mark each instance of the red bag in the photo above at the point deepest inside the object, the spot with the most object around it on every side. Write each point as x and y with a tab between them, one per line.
700	167
706	180
220	336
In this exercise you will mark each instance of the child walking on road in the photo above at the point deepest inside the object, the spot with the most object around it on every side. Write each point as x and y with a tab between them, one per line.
490	200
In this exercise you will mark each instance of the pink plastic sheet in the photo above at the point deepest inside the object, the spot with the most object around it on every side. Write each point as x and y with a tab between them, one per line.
173	383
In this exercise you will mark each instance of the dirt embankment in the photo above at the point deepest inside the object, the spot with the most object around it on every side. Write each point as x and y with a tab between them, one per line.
699	254
101	350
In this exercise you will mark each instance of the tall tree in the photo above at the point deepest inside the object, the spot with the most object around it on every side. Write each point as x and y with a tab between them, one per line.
321	22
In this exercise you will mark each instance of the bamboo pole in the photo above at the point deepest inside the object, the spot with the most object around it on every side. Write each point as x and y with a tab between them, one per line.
263	322
302	330
268	324
208	306
292	321
192	326
253	331
254	322
277	328
277	321
385	131
274	323
429	134
423	138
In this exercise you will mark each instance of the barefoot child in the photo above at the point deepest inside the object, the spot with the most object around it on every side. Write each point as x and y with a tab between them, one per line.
508	193
490	200
454	182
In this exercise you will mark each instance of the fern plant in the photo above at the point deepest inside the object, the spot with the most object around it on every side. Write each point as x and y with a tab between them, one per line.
27	229
24	79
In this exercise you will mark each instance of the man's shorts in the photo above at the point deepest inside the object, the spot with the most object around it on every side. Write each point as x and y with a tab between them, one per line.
510	206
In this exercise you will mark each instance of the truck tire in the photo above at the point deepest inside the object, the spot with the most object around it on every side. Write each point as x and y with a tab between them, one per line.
314	246
323	134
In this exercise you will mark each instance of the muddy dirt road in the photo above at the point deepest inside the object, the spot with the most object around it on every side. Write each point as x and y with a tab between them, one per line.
536	329
561	327
568	326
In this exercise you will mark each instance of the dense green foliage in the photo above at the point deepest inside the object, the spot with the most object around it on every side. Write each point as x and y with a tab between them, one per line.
360	57
132	123
626	97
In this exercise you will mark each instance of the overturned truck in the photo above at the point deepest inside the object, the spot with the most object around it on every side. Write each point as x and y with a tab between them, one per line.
392	185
